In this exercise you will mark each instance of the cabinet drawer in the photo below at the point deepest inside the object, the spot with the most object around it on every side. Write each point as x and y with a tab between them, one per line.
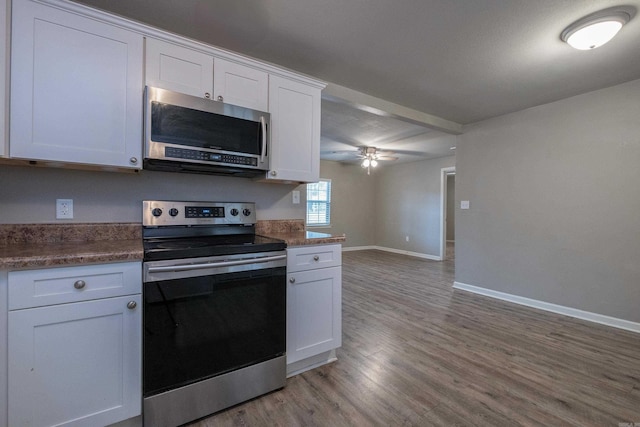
312	257
36	288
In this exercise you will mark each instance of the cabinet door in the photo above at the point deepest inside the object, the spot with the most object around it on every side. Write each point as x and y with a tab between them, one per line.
295	131
76	89
178	68
314	312
240	85
75	364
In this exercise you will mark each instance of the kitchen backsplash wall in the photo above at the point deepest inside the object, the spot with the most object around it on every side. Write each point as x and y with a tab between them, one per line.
28	194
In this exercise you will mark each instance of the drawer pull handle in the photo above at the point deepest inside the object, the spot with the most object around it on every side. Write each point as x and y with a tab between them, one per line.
316	257
131	305
292	280
80	284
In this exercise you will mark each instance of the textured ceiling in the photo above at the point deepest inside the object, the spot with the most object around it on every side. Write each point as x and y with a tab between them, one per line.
461	60
345	128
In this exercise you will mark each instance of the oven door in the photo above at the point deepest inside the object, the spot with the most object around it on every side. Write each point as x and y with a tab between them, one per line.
206	317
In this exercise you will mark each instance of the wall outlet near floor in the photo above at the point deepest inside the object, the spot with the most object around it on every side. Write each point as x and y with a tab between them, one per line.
64	208
406	238
295	194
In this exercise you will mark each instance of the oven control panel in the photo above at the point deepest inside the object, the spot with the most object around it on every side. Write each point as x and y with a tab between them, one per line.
166	213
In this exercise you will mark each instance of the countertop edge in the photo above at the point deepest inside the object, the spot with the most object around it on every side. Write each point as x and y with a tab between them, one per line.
307	238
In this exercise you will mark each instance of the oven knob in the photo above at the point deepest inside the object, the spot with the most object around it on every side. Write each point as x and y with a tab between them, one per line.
156	212
234	212
246	212
173	211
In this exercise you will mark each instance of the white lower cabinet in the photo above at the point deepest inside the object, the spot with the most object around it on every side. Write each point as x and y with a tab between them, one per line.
314	306
77	363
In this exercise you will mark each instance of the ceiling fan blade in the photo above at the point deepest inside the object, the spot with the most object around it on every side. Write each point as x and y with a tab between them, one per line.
385	153
341	152
386	158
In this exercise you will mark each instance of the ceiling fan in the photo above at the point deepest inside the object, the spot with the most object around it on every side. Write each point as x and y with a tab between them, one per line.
371	155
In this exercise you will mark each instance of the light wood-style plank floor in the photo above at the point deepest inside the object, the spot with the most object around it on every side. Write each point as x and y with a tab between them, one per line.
417	352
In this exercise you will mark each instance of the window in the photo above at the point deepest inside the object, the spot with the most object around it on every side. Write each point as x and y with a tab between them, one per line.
319	203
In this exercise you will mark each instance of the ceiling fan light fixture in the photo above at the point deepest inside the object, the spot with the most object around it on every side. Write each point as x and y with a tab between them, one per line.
596	29
374	163
366	163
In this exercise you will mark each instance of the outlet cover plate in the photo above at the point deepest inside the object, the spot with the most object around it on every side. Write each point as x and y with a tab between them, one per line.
64	208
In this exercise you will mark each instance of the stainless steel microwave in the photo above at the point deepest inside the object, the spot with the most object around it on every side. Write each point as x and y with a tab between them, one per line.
184	133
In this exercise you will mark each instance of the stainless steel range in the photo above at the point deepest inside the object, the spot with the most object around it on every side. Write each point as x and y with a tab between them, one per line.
214	310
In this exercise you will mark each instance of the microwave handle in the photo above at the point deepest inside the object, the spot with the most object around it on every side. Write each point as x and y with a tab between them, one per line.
263	153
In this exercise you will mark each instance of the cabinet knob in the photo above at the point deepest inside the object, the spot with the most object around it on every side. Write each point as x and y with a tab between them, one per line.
220	98
316	257
133	160
131	305
274	173
79	284
207	95
292	280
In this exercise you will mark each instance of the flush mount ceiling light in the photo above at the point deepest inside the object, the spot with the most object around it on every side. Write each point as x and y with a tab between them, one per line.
596	29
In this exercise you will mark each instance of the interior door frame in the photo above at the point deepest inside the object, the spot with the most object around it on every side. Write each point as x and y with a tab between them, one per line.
443	208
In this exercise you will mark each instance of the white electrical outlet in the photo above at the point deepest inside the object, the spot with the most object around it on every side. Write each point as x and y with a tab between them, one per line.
406	238
296	197
64	208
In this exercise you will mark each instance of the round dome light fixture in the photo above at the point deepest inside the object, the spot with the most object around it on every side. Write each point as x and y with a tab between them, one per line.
598	28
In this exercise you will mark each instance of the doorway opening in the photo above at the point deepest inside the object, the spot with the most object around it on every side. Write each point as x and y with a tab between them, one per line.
447	216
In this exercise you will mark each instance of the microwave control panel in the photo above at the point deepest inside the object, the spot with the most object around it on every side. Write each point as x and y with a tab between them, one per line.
206	156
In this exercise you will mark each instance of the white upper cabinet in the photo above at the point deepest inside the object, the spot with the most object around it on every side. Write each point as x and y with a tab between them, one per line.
4	63
240	85
181	69
76	88
295	131
178	68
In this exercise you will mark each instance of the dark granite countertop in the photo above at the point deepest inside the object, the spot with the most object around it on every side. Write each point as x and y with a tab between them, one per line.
31	255
50	245
25	246
301	238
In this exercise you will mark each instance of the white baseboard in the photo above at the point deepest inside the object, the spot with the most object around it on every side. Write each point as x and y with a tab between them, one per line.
554	308
415	254
395	251
357	248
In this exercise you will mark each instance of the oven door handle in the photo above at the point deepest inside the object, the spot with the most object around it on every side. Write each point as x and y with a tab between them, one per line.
188	267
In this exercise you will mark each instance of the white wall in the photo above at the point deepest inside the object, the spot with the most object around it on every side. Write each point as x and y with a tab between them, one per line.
28	194
408	204
555	203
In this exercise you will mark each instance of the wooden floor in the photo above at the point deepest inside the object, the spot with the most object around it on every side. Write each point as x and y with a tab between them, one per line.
417	352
